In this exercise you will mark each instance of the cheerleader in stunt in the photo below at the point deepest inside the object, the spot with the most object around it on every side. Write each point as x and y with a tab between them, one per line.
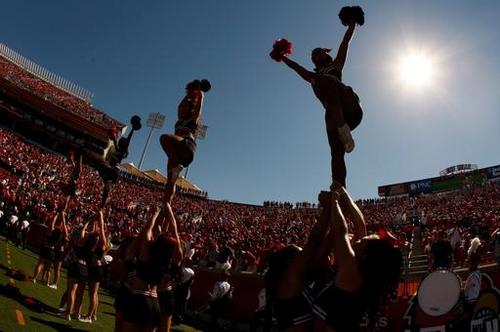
181	146
343	112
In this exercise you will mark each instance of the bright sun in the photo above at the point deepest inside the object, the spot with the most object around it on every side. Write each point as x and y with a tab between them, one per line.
416	71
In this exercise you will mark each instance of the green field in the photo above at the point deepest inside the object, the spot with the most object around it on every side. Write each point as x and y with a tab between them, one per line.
15	316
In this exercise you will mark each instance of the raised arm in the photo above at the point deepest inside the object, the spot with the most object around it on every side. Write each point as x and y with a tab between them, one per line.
102	231
341	57
348	276
304	73
355	214
293	280
83	231
64	225
150	225
172	226
52	224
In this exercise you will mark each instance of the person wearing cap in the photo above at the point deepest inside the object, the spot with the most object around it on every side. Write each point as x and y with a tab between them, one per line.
343	112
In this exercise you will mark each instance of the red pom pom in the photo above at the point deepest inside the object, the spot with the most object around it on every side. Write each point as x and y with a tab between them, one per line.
281	48
387	236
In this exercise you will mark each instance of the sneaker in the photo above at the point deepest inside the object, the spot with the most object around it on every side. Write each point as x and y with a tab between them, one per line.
85	319
346	138
53	286
68	317
61	309
34	281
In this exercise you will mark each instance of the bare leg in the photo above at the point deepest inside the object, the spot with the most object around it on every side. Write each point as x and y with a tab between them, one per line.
46	272
72	286
93	298
166	323
169	144
38	268
79	297
57	272
64	297
339	169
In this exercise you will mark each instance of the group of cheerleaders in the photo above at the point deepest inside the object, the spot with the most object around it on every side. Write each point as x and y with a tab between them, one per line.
338	276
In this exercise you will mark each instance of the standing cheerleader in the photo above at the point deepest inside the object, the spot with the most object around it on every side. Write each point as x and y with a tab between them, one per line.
60	250
95	268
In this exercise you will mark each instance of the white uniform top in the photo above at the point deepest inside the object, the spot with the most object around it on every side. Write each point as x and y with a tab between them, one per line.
262	300
221	288
187	273
13	219
24	224
472	286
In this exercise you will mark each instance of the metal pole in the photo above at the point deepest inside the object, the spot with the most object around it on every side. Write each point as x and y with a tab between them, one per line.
145	147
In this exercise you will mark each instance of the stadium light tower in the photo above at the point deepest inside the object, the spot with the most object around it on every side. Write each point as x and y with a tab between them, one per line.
155	121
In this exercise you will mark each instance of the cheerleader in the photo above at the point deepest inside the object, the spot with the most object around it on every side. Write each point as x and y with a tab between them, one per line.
367	270
60	250
181	146
47	252
166	293
148	261
343	112
118	150
95	269
78	271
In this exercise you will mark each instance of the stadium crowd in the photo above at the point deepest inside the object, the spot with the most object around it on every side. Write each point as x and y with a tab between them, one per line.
49	92
208	227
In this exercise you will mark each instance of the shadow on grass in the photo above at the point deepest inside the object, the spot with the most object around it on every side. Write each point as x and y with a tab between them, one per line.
109	313
29	303
106	302
56	326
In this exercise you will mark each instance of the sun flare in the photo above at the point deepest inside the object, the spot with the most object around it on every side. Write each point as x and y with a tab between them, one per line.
416	71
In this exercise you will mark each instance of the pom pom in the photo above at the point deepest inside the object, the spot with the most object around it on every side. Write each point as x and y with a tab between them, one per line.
358	15
136	122
387	236
281	48
352	14
205	85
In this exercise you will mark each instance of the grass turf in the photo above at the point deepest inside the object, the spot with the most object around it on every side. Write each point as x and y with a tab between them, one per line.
16	316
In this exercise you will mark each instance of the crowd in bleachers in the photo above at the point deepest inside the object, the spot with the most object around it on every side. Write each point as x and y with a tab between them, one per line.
209	227
27	81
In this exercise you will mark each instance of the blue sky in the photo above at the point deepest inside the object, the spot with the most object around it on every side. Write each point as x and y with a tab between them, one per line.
266	138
